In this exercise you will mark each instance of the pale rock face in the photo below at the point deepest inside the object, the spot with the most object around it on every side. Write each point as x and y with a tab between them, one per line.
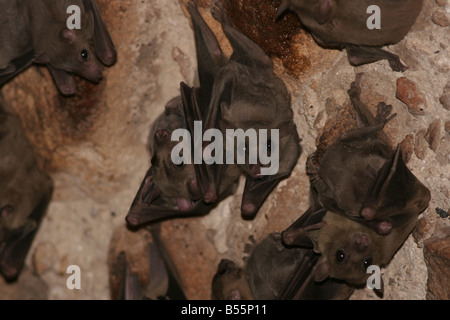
94	145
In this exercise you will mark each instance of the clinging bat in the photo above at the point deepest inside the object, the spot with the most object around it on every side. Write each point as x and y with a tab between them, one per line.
64	51
16	53
345	24
140	267
372	198
247	95
25	193
360	177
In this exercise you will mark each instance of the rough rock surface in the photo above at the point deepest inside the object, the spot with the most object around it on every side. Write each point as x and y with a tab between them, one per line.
94	144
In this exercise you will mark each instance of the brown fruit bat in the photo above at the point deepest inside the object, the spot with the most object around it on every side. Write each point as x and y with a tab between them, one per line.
25	193
343	24
275	271
46	39
373	199
170	190
143	271
247	95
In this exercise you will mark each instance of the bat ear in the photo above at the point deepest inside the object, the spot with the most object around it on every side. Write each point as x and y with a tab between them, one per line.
322	271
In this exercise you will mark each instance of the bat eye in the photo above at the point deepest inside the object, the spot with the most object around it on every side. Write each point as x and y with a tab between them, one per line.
367	263
84	55
340	256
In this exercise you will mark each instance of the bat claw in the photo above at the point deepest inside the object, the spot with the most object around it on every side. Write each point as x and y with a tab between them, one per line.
248	210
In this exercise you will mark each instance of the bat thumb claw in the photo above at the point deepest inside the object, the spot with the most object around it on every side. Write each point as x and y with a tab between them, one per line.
248	210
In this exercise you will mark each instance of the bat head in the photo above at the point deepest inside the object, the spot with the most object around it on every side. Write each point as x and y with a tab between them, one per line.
230	282
348	249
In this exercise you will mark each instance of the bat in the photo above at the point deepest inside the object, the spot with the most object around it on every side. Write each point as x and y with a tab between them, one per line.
144	272
276	271
172	190
359	176
25	193
373	200
16	52
65	51
345	24
247	95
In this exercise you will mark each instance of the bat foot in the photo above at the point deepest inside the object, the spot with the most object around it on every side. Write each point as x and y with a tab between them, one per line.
368	213
355	89
217	10
288	238
210	196
192	5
